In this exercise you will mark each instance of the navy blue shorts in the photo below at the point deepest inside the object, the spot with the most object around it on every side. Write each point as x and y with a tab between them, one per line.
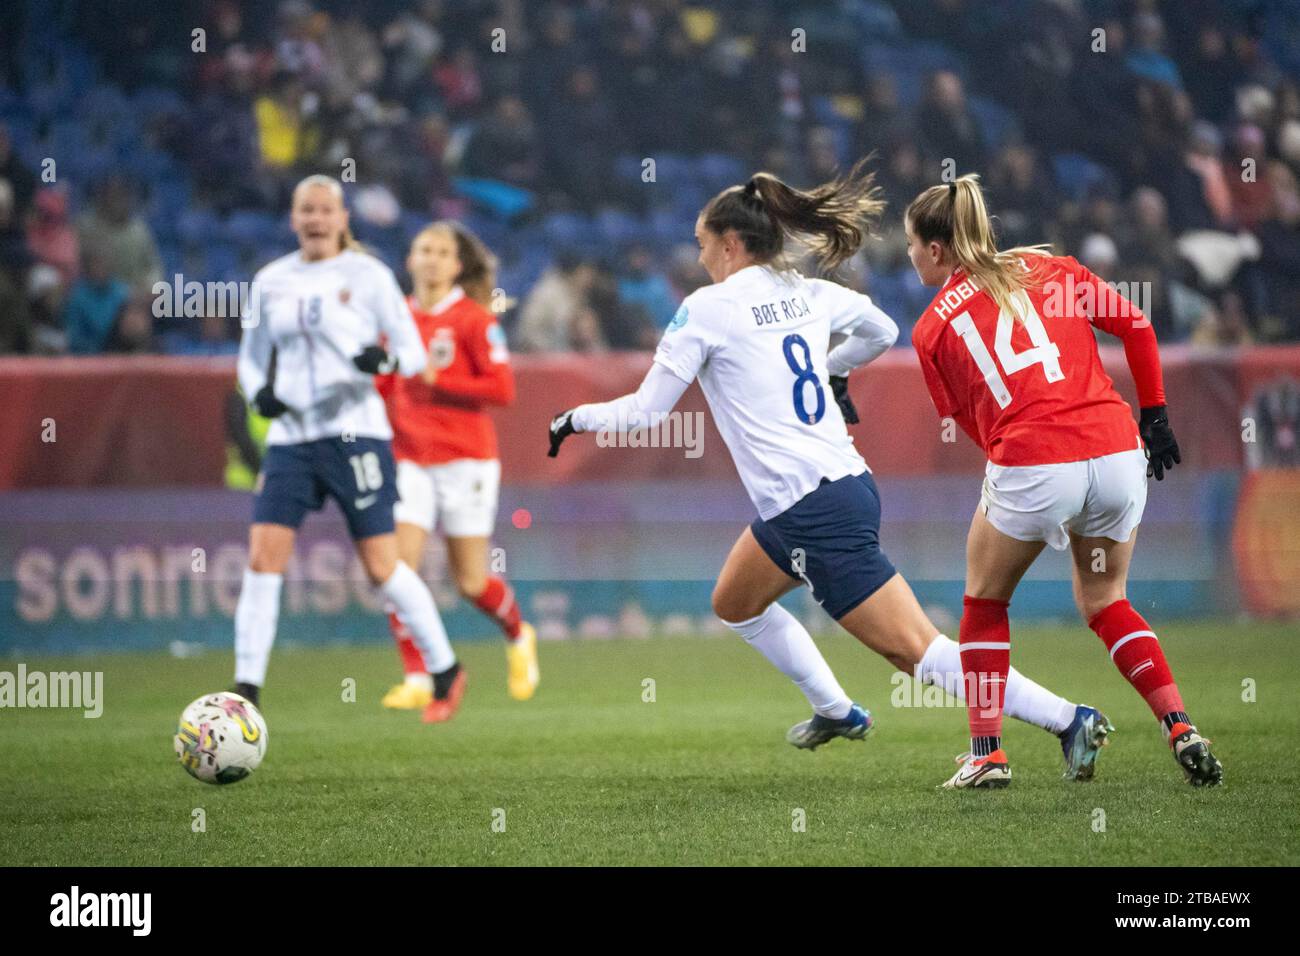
830	539
359	474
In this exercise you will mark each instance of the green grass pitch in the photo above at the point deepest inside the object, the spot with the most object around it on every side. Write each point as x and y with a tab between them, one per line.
590	773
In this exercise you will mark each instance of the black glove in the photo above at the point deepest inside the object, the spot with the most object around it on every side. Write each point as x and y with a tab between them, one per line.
840	389
267	405
1158	437
561	428
373	360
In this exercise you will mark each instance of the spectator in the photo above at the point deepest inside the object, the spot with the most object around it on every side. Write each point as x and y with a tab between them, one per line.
505	145
946	126
51	239
643	286
13	171
94	305
551	314
113	232
1224	326
285	135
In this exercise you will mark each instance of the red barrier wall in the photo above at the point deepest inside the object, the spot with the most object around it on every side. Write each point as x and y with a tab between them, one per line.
157	421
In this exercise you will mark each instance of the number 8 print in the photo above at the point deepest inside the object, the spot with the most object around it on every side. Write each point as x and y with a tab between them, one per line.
804	374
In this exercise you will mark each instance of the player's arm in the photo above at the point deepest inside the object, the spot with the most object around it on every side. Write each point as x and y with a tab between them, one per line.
402	351
490	380
870	333
941	394
256	355
695	332
659	393
1111	312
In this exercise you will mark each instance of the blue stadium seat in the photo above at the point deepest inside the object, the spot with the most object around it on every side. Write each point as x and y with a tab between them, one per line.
1076	174
998	124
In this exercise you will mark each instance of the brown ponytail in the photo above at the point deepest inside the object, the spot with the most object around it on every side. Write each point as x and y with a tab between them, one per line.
833	219
954	214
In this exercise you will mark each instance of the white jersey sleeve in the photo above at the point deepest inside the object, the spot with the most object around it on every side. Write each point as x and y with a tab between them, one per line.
697	330
659	393
255	345
870	331
398	325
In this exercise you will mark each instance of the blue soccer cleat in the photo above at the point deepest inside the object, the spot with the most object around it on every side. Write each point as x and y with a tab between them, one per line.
1082	741
812	733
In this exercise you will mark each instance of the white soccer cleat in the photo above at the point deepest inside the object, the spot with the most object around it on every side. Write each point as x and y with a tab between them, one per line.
987	773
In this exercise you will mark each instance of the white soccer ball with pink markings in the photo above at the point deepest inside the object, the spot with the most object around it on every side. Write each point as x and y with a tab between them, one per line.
221	738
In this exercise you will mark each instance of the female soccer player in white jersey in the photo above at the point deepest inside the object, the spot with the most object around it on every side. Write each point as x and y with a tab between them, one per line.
1008	350
757	340
309	352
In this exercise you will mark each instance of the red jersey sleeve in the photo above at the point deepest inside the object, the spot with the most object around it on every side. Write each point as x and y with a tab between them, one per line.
940	393
1111	312
490	378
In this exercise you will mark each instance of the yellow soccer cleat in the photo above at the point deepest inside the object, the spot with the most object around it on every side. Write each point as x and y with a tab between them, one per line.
406	696
522	673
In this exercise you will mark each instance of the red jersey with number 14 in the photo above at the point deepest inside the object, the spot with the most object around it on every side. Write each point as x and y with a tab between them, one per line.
1033	391
435	424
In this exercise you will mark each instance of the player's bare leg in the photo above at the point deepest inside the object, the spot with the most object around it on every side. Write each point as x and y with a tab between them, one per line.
415	608
416	689
744	598
468	558
1100	581
270	546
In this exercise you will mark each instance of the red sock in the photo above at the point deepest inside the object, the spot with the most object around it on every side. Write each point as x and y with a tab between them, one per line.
412	660
1136	652
498	602
985	644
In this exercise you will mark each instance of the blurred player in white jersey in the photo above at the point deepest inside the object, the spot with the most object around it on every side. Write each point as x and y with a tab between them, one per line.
310	349
757	339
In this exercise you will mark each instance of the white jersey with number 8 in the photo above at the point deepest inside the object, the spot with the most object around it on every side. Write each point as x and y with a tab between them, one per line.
757	342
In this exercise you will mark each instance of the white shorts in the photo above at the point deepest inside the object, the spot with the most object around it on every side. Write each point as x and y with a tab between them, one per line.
1097	498
460	496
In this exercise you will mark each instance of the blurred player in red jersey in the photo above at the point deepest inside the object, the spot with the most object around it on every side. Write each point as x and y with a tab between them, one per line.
448	473
1008	351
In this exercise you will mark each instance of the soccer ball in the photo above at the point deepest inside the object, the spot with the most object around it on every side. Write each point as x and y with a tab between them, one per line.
221	738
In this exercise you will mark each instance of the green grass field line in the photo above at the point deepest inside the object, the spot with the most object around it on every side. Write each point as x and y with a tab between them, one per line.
588	773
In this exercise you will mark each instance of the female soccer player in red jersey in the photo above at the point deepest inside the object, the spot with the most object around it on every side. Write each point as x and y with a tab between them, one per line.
1008	351
446	447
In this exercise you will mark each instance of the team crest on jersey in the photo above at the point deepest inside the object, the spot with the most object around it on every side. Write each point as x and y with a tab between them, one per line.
679	319
345	295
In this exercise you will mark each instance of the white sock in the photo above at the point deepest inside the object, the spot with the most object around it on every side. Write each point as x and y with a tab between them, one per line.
779	637
256	616
423	681
415	609
1023	700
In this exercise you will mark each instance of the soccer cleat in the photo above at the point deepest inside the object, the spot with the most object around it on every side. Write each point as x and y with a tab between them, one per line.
1192	751
250	692
522	673
441	709
1082	741
986	773
406	696
812	733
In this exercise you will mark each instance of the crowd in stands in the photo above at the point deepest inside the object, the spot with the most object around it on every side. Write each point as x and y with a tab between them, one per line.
1156	140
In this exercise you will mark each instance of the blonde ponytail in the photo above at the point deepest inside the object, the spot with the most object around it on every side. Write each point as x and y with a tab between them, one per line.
955	215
